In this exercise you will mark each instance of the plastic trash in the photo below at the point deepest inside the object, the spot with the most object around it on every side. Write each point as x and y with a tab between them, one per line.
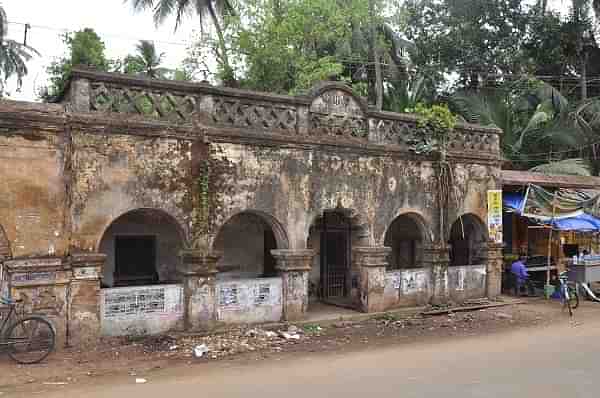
200	350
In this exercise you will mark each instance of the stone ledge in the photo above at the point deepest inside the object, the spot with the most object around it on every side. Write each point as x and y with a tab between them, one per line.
293	260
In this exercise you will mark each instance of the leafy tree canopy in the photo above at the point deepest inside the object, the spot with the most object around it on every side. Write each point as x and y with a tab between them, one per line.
84	47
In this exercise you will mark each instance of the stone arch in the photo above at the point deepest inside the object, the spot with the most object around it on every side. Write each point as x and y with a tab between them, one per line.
4	245
406	235
244	243
332	235
142	246
468	241
363	236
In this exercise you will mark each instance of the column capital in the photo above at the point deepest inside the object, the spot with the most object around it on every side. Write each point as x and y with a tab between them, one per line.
374	256
293	260
87	259
195	262
87	265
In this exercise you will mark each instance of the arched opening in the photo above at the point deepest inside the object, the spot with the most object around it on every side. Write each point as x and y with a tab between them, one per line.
405	236
245	242
4	245
142	247
332	236
468	241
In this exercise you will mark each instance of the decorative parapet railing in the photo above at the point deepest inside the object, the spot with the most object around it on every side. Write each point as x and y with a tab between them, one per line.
330	111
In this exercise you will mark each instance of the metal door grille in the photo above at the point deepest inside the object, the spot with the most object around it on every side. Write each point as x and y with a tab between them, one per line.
335	256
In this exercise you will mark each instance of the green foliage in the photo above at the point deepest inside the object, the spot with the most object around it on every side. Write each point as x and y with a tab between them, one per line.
203	209
84	48
145	62
577	167
473	38
405	94
433	126
13	56
290	54
215	10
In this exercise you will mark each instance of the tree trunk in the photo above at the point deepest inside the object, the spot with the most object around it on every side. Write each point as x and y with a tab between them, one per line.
584	93
376	59
228	77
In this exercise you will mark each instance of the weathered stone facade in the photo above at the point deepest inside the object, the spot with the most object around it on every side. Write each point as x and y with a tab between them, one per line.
193	157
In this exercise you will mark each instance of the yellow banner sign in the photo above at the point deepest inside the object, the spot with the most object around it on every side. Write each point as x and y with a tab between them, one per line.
494	200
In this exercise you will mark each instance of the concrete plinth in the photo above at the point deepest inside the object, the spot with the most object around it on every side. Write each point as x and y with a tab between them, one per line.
84	299
372	262
494	270
294	267
437	258
198	270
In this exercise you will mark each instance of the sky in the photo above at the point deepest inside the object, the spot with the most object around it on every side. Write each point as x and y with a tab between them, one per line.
115	22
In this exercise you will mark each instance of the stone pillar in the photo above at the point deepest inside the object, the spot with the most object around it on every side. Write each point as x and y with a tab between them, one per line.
83	327
80	95
294	266
437	257
372	262
198	270
495	266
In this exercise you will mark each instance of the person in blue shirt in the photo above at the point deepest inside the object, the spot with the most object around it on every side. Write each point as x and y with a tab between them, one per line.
520	274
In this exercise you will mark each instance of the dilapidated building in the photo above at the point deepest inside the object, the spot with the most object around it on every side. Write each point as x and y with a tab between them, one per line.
139	206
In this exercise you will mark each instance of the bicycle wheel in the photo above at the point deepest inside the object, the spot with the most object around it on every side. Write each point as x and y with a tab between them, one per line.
566	299
573	297
30	339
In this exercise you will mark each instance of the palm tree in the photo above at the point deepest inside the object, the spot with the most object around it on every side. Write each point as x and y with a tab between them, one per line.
146	62
13	55
213	9
536	120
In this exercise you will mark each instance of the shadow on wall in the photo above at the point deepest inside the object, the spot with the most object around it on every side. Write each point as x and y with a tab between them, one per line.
468	241
405	236
142	247
245	243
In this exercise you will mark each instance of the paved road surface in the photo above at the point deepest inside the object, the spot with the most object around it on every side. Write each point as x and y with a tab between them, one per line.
560	362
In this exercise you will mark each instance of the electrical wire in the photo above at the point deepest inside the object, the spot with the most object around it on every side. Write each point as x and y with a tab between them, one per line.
101	33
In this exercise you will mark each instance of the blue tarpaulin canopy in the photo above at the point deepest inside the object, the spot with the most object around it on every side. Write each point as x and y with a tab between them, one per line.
584	222
580	222
513	200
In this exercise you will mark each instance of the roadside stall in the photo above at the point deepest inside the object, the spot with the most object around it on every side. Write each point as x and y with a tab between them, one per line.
553	229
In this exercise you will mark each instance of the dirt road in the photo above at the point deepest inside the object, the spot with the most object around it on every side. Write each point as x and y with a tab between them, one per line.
555	360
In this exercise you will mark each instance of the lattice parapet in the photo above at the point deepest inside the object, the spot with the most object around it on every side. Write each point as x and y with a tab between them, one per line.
323	124
260	116
461	140
392	131
169	105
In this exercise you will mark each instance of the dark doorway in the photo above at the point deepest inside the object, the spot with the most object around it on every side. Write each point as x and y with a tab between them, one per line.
468	240
335	258
135	260
405	237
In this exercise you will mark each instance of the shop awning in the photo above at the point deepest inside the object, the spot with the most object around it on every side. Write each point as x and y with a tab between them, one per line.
576	221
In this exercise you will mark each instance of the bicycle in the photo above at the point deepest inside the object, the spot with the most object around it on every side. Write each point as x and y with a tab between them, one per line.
29	338
568	294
